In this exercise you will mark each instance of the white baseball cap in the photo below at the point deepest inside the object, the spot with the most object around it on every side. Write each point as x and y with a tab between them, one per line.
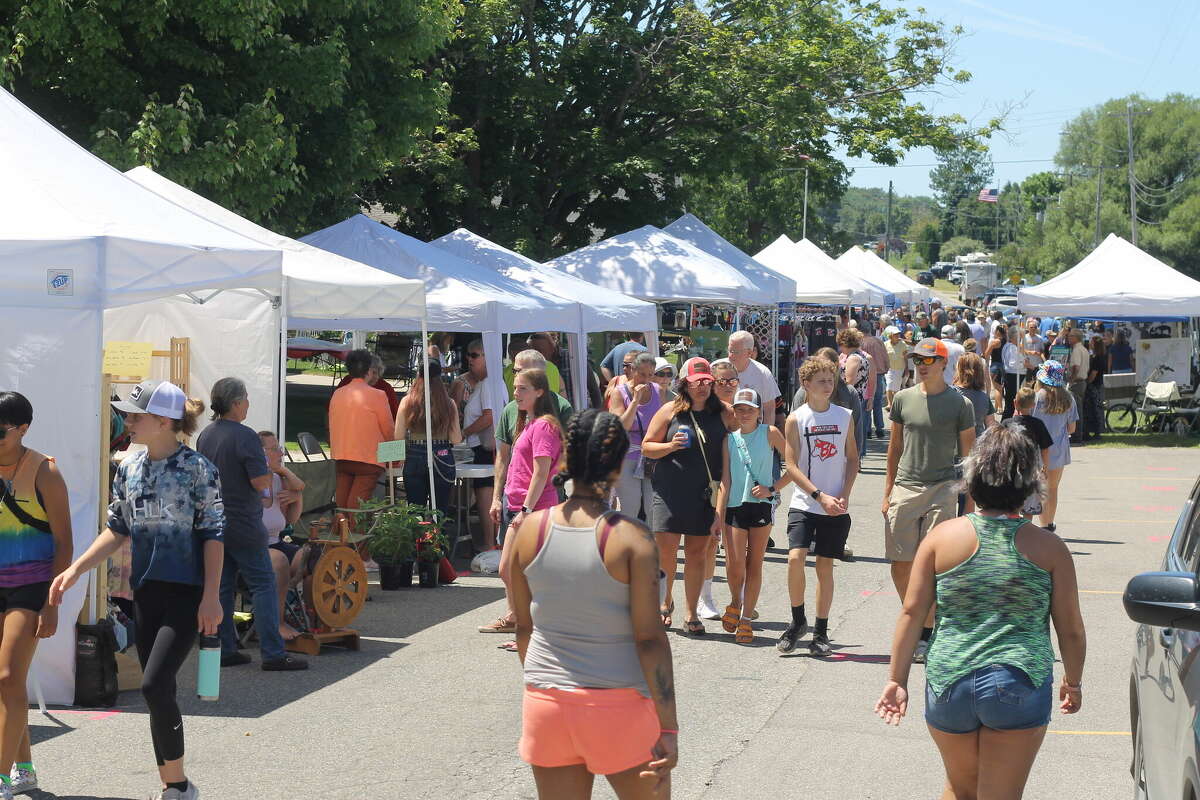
661	363
154	397
746	397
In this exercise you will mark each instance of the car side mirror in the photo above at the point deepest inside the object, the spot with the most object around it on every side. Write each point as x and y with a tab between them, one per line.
1164	600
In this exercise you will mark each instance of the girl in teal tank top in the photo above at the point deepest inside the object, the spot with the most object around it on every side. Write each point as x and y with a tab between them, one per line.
994	608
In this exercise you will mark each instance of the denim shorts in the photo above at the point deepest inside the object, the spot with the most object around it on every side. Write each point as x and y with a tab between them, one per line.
998	696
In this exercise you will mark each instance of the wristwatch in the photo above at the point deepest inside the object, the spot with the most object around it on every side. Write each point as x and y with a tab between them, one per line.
816	494
526	510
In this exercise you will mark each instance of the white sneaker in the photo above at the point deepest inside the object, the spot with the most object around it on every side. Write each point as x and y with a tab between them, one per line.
23	780
707	608
192	793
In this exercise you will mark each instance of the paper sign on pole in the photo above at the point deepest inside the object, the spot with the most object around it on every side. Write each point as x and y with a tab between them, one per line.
128	359
390	451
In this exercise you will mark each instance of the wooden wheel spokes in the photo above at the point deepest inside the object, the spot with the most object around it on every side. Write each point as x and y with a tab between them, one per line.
339	586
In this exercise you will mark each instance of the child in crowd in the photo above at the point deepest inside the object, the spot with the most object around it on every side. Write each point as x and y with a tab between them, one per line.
1035	429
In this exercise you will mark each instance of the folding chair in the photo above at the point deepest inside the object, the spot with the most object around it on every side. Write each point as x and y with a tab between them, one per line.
309	446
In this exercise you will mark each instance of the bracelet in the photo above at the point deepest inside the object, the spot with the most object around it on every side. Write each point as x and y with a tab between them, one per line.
668	730
1076	686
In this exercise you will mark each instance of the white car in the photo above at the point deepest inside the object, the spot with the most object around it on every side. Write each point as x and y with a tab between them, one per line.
1004	304
956	275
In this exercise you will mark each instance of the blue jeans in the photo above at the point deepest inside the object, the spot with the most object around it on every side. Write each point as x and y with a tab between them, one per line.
416	474
997	696
254	563
877	403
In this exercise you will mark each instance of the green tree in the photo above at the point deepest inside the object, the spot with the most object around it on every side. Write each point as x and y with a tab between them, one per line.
960	246
1039	189
960	173
573	117
281	110
928	242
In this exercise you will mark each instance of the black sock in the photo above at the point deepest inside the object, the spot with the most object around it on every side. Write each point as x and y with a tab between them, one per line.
798	618
926	633
180	785
822	627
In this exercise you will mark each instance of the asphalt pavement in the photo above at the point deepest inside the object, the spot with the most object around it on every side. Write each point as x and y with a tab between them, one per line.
431	709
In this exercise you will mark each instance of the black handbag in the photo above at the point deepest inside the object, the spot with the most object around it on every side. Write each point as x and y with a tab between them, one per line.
96	665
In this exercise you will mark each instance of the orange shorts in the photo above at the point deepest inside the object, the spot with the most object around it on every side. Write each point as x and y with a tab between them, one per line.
606	730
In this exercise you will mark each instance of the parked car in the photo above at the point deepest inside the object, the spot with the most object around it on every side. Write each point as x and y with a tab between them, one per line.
956	275
925	278
942	269
1164	685
1003	303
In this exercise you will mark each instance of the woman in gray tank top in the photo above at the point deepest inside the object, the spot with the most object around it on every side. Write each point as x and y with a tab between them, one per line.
599	687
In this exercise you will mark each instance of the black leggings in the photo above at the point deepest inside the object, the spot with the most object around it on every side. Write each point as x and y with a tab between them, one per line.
165	619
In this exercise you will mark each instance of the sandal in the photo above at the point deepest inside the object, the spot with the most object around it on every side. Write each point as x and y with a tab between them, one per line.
499	625
509	646
729	620
694	627
745	634
665	612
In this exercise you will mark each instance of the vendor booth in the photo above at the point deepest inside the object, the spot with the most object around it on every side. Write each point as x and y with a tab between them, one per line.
77	238
819	279
599	308
871	267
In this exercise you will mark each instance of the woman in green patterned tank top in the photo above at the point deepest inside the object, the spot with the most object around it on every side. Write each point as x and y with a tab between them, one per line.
998	581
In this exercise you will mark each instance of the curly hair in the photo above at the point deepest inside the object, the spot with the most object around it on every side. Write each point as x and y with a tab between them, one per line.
849	337
814	365
596	444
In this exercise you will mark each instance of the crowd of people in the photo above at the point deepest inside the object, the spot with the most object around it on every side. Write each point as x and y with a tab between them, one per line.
589	511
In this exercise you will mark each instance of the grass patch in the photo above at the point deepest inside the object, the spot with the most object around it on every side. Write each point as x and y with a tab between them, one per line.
307	412
1144	440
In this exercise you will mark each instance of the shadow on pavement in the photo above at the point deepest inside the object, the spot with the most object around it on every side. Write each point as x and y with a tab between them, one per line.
38	794
1092	541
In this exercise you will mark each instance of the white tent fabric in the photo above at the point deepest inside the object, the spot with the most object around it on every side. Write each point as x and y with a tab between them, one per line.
921	292
459	295
820	281
600	309
76	237
242	331
653	265
872	268
692	229
1115	280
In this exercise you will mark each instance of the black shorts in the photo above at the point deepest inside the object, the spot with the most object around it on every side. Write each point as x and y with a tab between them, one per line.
483	456
820	533
750	515
31	597
289	549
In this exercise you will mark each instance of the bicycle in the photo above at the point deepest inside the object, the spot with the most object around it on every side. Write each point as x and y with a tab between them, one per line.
1157	406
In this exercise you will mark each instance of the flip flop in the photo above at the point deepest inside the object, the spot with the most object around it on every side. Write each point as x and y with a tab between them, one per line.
745	633
694	627
665	612
509	646
729	620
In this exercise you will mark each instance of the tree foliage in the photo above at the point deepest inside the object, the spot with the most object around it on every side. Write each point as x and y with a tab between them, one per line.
278	109
572	117
928	242
961	172
960	246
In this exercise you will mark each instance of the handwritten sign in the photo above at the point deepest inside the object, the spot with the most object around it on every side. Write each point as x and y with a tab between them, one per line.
390	451
128	359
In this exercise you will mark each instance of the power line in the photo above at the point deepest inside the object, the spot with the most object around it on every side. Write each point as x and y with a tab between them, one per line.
907	166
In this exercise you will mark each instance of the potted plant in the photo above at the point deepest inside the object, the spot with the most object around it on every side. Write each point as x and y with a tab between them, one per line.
393	541
431	547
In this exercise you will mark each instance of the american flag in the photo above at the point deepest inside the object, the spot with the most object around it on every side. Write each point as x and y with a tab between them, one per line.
989	195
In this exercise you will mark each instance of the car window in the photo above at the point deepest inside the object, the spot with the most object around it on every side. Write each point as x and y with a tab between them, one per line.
1187	530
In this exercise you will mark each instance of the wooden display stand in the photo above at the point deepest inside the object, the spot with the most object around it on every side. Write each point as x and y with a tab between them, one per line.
179	369
335	591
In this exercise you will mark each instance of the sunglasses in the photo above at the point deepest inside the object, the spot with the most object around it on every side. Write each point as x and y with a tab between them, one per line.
666	373
925	361
727	381
705	383
474	355
4	431
627	367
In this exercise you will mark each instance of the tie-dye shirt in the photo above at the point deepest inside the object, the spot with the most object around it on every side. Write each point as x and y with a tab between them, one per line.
169	508
26	542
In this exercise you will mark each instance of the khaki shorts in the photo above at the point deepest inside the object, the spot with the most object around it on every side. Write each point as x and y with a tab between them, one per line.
912	513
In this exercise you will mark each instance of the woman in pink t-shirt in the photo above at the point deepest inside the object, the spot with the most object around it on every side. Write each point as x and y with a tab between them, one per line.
537	448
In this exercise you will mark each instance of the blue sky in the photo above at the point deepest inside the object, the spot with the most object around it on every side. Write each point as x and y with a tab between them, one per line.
1053	59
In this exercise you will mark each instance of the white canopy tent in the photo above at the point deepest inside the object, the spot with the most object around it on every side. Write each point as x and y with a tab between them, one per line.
459	296
820	280
653	265
1116	280
600	309
244	334
921	291
872	268
691	229
78	237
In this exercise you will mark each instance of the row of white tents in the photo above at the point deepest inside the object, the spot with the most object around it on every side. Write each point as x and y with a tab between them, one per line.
89	255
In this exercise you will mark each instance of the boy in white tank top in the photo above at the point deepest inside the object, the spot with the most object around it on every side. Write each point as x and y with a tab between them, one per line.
822	460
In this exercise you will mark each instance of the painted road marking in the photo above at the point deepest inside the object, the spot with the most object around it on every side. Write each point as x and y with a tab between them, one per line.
1091	733
1160	488
1163	469
1156	509
1099	591
1139	477
1131	521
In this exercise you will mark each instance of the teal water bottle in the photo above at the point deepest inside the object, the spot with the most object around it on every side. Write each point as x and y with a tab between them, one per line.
208	678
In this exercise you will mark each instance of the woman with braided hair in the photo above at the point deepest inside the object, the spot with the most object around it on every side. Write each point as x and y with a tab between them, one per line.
599	687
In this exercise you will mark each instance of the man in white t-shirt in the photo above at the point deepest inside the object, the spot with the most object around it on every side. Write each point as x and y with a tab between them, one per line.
753	375
1033	345
956	352
822	460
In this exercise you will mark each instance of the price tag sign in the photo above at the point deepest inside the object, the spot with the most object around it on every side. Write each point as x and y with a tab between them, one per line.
390	451
128	359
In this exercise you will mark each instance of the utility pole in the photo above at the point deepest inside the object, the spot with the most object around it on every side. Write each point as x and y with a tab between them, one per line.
887	235
804	227
1099	174
1132	185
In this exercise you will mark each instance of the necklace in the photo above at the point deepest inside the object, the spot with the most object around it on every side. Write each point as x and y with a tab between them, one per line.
16	465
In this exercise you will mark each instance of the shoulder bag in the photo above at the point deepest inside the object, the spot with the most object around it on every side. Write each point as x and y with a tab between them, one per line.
713	486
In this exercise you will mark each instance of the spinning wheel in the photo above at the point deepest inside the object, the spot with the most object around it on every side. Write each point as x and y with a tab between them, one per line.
339	586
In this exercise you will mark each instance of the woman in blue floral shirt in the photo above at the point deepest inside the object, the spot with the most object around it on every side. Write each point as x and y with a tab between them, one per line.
167	501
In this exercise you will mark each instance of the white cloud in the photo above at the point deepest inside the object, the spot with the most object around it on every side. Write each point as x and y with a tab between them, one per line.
1028	28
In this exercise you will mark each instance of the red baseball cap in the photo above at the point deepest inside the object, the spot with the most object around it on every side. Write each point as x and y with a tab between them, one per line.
695	369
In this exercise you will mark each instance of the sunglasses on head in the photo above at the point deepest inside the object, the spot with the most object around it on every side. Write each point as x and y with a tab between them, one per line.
925	361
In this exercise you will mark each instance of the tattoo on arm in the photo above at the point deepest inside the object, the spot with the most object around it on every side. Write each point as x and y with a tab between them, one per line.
664	682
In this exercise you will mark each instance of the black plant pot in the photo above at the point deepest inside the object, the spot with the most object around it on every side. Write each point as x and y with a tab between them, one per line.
395	576
428	573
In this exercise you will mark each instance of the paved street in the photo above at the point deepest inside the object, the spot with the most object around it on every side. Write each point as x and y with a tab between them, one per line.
430	709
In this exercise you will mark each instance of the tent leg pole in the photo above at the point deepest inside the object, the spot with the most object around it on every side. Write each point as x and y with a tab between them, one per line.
428	412
282	317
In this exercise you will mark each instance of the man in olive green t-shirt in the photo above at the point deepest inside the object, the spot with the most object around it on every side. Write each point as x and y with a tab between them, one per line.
932	425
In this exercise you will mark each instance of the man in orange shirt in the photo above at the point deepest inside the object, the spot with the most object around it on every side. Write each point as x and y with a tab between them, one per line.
359	419
374	379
